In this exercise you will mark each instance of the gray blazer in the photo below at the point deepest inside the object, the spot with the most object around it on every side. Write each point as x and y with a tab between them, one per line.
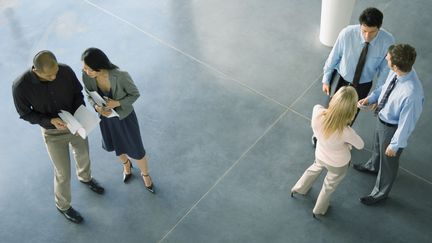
123	90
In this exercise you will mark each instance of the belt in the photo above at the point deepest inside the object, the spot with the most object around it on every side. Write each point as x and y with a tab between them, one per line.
387	124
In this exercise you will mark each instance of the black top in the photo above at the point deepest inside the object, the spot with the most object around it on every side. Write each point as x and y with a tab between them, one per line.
39	101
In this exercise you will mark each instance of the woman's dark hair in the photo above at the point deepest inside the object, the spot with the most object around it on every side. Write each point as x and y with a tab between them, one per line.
96	59
371	17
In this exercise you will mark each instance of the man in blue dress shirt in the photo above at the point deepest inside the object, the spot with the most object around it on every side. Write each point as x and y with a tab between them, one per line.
398	103
346	52
343	59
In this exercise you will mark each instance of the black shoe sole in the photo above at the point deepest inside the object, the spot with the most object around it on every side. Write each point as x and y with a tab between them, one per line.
77	220
363	169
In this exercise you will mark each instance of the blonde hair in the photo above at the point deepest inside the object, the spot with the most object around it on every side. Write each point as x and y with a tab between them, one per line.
341	111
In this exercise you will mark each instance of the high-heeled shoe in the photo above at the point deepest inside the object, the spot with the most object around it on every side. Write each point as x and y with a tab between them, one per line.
149	188
126	177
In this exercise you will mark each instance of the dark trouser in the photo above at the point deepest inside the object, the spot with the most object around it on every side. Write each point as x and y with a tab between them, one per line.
362	89
387	166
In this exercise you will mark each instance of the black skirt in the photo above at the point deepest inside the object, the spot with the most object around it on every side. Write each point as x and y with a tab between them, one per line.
122	136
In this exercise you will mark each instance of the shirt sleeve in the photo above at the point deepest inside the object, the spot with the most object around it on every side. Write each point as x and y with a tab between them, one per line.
409	115
383	69
130	88
76	89
25	111
353	138
374	95
333	58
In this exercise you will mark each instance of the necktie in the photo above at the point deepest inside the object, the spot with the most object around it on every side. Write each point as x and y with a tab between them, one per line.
384	99
360	64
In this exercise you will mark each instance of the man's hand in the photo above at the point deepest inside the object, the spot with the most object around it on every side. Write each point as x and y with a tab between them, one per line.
364	104
389	152
326	89
58	123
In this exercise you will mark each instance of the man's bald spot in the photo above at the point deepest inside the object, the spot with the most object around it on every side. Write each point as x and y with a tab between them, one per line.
44	60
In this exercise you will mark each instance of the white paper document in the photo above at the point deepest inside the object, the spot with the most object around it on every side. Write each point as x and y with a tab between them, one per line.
82	122
101	102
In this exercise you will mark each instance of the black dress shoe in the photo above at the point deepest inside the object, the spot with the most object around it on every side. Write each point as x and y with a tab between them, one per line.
126	177
94	186
72	215
149	188
370	200
363	169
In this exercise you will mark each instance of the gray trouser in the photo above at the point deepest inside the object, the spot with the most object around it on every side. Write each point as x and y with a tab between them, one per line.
387	167
333	178
57	144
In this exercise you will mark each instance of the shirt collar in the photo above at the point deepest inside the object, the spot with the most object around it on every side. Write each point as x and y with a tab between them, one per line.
408	76
372	43
34	78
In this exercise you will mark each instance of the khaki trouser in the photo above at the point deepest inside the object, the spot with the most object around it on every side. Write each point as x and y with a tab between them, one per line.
333	178
57	144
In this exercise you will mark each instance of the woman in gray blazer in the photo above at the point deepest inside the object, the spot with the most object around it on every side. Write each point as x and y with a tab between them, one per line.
119	123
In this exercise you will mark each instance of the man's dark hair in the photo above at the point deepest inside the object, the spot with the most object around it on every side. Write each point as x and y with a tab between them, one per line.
97	59
43	60
371	17
402	56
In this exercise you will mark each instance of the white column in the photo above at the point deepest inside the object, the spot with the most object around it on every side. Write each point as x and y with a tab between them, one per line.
335	15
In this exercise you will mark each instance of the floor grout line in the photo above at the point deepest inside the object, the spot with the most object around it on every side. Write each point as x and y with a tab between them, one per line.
417	176
305	91
214	69
287	108
225	173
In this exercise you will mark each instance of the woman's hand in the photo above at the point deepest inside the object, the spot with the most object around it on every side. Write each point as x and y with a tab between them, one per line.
104	111
111	104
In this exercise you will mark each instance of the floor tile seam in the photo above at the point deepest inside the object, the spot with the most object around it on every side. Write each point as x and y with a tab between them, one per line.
224	174
305	91
254	90
288	108
416	176
44	36
166	44
406	170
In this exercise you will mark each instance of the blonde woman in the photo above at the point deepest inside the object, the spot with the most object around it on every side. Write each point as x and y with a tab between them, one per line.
335	139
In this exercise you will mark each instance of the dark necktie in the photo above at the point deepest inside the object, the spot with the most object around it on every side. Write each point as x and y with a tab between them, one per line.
384	99
360	65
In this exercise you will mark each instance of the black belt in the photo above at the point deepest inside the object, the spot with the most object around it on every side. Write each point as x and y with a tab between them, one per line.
387	124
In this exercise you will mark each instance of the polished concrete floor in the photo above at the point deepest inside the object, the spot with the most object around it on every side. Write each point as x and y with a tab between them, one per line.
227	88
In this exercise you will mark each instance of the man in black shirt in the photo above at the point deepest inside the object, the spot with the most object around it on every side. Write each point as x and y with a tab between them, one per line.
39	95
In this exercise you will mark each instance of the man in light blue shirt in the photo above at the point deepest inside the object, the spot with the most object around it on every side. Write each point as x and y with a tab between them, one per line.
342	63
345	54
399	103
